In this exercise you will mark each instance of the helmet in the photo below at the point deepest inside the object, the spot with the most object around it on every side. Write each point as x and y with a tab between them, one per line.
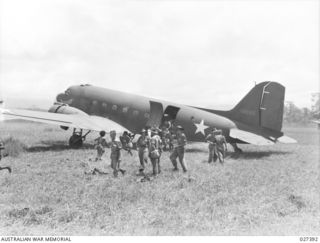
180	128
155	130
102	133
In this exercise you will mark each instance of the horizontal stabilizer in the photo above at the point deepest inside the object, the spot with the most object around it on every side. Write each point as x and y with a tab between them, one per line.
249	137
285	139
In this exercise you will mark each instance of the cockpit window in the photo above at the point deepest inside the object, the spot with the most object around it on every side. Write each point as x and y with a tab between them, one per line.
63	97
67	92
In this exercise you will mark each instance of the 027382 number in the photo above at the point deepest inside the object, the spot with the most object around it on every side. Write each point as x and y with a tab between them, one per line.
309	239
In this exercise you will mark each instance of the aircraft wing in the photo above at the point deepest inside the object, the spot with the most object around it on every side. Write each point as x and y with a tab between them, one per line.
80	121
249	137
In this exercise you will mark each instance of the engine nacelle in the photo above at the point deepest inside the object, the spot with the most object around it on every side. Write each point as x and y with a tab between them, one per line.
65	109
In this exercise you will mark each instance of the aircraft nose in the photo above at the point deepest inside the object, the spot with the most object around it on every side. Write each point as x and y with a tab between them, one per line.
69	95
65	97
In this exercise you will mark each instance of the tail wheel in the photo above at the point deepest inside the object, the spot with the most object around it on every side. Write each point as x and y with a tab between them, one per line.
75	141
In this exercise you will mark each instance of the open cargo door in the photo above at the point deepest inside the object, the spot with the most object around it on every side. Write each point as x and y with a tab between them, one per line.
156	114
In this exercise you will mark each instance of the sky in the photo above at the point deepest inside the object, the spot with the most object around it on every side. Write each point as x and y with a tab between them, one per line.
201	53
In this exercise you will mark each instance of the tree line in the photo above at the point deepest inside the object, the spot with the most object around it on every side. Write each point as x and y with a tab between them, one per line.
294	114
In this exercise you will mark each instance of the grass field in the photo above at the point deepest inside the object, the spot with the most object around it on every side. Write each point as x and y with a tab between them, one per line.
272	190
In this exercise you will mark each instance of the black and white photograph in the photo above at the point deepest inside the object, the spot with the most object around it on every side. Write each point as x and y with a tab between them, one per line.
159	118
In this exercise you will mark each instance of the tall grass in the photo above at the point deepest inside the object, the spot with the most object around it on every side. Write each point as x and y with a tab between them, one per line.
271	190
13	146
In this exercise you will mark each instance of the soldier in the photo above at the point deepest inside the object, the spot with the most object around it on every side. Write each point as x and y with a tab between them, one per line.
126	141
170	139
7	167
96	167
100	144
1	148
217	146
148	131
166	130
155	150
221	146
166	121
115	154
179	142
143	145
165	138
211	139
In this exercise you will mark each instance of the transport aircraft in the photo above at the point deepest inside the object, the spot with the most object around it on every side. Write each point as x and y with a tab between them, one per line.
256	119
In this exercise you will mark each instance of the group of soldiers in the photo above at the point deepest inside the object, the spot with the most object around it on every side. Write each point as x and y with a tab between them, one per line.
115	155
151	144
217	146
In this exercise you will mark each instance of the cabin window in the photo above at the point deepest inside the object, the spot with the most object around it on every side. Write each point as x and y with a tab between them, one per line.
84	104
135	112
125	109
114	107
104	105
67	92
146	115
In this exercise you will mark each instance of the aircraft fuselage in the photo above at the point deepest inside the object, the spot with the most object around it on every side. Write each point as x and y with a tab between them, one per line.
134	112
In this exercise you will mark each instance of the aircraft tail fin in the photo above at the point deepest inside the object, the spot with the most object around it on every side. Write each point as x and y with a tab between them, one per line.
262	106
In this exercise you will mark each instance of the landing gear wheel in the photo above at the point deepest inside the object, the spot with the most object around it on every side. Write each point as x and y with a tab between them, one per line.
236	148
75	141
239	150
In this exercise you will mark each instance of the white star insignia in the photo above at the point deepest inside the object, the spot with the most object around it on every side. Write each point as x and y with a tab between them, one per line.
200	127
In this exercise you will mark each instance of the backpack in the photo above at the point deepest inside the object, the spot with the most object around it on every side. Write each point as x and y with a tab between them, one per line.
155	153
220	139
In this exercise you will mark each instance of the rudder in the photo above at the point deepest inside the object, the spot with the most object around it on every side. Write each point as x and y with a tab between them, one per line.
262	106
